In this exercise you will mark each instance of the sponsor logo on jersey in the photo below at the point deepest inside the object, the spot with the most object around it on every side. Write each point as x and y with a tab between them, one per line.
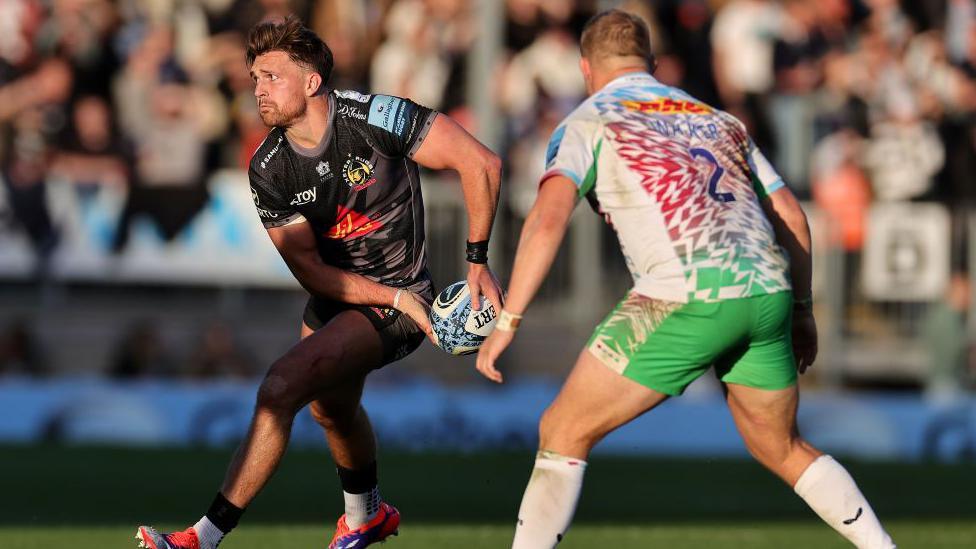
352	224
265	214
323	169
358	173
383	114
353	112
354	95
305	197
667	106
271	153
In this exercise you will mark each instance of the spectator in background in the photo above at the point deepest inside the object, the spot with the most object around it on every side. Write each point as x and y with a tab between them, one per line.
742	58
219	354
841	189
543	75
91	152
30	107
424	47
20	353
140	353
80	32
798	56
170	121
689	23
944	331
353	29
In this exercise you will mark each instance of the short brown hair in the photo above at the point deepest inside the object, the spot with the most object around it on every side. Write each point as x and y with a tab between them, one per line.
290	36
616	33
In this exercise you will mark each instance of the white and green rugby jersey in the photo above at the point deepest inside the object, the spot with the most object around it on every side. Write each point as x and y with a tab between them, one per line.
681	184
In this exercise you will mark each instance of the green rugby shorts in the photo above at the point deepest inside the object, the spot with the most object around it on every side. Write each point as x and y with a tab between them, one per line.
665	345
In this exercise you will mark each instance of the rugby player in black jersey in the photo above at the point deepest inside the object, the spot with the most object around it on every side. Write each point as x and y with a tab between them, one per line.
336	185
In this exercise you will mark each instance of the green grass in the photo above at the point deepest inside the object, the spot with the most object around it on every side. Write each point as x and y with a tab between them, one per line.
94	497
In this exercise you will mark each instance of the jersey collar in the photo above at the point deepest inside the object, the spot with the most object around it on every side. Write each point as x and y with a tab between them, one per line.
631	78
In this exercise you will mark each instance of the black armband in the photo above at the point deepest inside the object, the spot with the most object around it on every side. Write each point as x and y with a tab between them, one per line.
803	305
477	252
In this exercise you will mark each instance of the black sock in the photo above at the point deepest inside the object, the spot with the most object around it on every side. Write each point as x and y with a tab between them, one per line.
357	481
224	514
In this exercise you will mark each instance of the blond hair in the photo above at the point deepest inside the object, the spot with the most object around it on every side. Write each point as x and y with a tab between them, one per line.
616	33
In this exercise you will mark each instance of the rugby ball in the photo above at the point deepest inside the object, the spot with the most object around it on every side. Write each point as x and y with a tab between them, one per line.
459	330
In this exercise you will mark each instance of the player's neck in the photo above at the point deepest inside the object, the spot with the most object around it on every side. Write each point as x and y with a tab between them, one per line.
310	129
604	77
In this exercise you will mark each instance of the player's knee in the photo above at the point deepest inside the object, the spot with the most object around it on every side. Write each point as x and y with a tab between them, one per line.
570	437
773	452
277	395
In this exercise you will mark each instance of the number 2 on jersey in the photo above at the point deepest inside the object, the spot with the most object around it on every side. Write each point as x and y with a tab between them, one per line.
717	174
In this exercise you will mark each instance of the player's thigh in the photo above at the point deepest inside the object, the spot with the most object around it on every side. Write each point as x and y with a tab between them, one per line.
594	401
342	351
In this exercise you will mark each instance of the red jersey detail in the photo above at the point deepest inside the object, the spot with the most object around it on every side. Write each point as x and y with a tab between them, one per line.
352	224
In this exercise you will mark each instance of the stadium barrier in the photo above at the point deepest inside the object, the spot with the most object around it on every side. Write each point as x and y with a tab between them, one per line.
425	416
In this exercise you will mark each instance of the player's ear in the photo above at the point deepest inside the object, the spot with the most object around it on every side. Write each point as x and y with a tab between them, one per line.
587	71
312	84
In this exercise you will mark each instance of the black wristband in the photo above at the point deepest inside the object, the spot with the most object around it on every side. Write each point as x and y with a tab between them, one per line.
803	305
477	252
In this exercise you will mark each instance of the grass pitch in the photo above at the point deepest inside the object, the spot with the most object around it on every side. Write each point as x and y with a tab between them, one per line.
95	497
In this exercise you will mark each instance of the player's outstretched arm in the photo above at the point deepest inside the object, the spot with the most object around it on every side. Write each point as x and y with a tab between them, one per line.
449	146
793	234
542	234
296	244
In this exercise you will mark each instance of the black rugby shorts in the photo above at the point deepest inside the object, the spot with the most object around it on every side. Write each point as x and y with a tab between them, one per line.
399	334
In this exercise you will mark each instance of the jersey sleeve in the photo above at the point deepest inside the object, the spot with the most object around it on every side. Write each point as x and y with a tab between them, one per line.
572	152
398	126
765	180
273	210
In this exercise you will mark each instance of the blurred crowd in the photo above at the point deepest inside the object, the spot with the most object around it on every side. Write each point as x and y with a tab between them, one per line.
854	101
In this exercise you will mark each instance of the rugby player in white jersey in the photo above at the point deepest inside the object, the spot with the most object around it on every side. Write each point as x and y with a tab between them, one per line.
719	250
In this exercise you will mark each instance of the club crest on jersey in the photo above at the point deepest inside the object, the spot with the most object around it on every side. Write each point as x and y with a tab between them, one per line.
666	106
305	197
323	169
358	173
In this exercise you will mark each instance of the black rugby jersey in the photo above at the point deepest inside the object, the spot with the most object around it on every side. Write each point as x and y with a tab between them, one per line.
359	189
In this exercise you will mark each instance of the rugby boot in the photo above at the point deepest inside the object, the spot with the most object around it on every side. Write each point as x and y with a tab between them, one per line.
386	523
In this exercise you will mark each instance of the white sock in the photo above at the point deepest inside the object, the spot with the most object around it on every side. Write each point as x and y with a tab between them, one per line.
208	534
549	501
831	492
361	508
